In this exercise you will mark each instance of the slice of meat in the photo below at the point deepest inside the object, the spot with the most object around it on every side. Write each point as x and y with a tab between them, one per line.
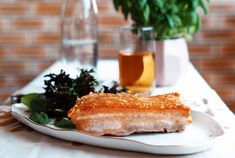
123	114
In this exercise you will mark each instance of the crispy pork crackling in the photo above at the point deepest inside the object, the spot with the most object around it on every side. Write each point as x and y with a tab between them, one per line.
124	114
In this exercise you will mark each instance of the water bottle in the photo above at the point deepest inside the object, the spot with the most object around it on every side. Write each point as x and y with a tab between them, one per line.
79	31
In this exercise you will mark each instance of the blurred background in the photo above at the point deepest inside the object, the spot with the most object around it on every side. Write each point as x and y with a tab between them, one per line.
30	42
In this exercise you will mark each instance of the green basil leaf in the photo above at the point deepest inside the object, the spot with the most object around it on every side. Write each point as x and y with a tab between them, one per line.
195	4
129	3
141	3
116	4
176	19
146	14
39	105
159	3
198	23
27	99
203	5
125	9
193	17
40	118
170	21
64	123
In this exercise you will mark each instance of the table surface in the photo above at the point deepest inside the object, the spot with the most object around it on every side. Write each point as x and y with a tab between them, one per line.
17	140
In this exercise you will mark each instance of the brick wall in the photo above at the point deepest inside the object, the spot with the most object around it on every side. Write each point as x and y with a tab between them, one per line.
213	49
30	33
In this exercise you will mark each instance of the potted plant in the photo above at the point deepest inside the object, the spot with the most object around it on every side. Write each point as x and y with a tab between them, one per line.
173	22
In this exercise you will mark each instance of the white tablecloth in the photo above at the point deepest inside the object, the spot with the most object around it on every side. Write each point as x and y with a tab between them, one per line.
17	140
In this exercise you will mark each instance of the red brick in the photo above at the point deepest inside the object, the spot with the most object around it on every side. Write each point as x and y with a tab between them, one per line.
229	21
227	50
11	67
226	93
218	35
196	63
1	25
227	78
221	7
8	80
13	9
2	81
108	53
2	52
48	38
12	38
44	65
5	94
114	22
208	21
200	50
209	77
28	23
217	64
231	105
107	37
104	7
29	52
48	9
23	80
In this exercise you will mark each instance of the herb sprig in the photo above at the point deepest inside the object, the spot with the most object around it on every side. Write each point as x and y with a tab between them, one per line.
61	93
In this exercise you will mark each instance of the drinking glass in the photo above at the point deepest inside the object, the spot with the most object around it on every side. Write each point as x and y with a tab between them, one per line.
79	33
137	59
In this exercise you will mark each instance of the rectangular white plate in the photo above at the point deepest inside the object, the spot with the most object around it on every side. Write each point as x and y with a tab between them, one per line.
197	137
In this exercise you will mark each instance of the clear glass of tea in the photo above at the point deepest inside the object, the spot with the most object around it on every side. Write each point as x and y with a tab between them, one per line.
136	58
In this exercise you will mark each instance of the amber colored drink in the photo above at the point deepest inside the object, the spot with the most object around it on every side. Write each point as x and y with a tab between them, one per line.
137	71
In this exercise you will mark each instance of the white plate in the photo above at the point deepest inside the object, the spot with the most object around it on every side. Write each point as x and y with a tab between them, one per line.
197	137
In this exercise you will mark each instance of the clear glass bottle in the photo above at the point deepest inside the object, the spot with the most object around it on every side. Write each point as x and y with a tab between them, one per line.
79	33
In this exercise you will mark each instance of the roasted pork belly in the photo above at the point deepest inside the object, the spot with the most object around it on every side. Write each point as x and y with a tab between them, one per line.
124	114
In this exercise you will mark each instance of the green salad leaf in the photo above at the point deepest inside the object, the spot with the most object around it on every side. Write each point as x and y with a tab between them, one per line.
27	99
40	118
65	123
36	102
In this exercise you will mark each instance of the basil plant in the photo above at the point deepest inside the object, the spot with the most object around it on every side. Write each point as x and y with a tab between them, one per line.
170	18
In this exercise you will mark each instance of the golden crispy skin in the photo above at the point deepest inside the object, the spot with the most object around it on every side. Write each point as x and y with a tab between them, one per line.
123	114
